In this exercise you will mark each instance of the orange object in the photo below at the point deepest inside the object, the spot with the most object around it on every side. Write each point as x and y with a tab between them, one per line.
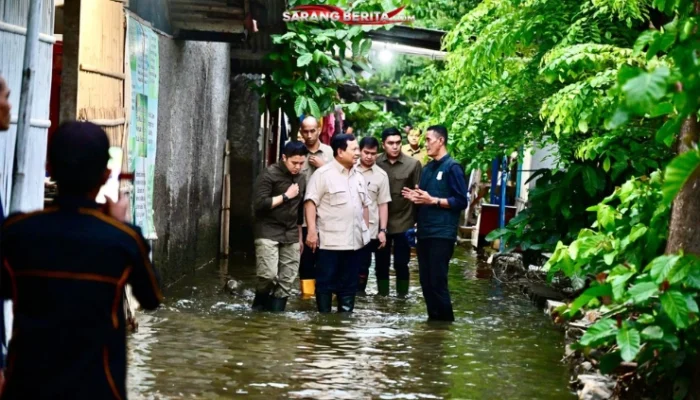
308	288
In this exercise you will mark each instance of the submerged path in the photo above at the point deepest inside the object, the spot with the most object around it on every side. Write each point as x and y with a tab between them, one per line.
208	344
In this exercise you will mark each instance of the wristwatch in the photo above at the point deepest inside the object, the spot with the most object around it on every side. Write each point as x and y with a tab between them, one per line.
382	230
284	198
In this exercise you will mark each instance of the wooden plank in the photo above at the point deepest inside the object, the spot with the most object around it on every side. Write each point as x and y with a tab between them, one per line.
95	70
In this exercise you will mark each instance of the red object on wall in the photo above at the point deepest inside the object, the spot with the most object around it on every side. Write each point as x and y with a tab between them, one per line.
489	217
55	102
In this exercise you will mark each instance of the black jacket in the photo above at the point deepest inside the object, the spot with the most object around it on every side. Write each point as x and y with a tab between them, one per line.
65	268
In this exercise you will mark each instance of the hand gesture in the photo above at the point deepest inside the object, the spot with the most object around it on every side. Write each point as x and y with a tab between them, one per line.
382	240
293	191
316	161
312	240
417	196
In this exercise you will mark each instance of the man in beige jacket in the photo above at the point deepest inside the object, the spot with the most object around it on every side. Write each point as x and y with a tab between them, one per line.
337	216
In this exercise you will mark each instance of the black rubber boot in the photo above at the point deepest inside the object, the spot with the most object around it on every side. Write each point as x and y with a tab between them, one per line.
261	301
346	304
324	302
362	286
278	304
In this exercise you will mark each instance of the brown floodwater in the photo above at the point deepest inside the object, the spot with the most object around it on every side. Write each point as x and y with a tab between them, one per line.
206	343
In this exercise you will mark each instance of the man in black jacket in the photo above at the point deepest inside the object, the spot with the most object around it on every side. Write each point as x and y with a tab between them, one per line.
279	214
65	269
441	197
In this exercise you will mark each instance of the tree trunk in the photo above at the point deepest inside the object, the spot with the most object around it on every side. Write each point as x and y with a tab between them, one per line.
684	232
684	229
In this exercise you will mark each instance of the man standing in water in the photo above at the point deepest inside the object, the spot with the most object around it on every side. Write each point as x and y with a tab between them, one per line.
441	197
413	149
278	204
319	154
337	214
65	268
378	190
403	171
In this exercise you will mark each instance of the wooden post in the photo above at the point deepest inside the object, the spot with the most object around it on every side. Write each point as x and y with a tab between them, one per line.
226	202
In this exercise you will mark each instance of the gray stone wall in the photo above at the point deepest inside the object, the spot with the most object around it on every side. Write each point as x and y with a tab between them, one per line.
192	130
246	161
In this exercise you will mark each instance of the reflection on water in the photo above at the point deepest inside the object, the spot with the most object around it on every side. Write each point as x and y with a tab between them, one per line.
205	343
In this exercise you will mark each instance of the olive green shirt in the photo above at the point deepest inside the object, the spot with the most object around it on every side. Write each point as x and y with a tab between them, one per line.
405	172
421	154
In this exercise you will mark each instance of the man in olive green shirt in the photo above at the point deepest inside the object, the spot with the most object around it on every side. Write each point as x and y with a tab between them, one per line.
413	148
403	171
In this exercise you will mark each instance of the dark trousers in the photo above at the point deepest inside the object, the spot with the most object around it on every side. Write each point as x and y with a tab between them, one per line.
433	262
402	254
366	257
307	263
337	272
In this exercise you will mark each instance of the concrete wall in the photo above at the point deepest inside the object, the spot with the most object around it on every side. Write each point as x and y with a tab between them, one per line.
192	129
246	161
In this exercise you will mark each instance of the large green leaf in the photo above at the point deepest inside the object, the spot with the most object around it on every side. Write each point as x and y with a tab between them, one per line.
646	89
676	307
641	292
313	107
653	333
599	332
368	105
678	171
660	267
299	87
300	105
693	279
590	294
629	341
305	59
365	47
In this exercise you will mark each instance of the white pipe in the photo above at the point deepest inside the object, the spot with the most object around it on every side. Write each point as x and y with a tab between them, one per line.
23	150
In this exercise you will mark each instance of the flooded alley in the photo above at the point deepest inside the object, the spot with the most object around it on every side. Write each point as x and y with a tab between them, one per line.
206	343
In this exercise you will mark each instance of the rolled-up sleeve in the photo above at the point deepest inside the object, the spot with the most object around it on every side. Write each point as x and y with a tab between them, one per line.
262	200
458	188
315	188
384	193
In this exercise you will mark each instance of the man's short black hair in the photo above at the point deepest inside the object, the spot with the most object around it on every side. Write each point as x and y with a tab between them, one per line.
369	142
440	130
340	142
390	132
78	155
295	148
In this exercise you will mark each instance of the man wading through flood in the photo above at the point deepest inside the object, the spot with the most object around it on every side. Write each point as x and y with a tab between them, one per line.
337	215
403	171
65	269
279	215
441	197
319	155
378	190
